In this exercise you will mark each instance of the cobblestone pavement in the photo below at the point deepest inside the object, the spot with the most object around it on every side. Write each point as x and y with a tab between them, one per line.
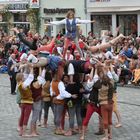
129	105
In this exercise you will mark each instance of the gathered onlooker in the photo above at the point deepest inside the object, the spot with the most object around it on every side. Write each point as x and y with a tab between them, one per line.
12	72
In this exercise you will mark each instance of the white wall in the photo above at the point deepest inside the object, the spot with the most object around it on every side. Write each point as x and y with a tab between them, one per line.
78	5
115	3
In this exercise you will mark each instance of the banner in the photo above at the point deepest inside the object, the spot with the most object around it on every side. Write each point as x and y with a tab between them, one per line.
34	4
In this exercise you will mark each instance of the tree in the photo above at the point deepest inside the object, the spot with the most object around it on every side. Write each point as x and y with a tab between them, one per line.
34	19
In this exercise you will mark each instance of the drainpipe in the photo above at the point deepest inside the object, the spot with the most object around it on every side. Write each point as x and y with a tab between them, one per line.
85	9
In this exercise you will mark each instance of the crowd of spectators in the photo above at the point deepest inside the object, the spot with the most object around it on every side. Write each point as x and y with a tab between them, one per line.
124	54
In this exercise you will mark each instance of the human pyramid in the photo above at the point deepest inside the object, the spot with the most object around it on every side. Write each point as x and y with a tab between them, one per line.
79	87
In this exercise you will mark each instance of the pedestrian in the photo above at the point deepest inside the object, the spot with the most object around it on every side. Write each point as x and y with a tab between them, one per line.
12	72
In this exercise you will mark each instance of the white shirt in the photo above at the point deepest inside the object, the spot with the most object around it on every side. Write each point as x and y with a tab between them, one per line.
63	93
90	84
41	79
28	81
70	57
64	21
71	69
31	58
108	55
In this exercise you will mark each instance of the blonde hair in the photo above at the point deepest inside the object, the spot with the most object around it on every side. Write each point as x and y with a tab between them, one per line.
69	13
19	77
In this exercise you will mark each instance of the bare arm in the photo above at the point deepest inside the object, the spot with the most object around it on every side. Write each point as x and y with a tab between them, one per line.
102	47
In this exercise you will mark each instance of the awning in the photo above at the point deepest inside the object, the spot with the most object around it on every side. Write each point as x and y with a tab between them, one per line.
112	9
18	11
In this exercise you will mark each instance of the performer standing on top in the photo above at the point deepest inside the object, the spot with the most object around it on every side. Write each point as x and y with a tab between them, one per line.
70	23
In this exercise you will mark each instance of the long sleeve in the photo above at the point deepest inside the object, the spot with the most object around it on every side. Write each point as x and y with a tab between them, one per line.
91	83
63	93
31	45
31	58
82	21
28	81
58	22
41	78
10	63
43	73
51	91
115	76
22	39
109	74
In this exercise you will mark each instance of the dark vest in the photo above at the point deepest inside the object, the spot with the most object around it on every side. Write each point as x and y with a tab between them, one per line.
71	28
79	66
93	97
36	93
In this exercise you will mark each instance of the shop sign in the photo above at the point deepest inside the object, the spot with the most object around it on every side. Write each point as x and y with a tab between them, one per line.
57	10
17	6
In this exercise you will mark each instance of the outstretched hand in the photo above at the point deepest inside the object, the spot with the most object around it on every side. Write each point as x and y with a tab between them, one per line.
93	21
15	30
118	28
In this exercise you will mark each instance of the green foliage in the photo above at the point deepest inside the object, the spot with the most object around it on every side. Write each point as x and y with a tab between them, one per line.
34	18
6	15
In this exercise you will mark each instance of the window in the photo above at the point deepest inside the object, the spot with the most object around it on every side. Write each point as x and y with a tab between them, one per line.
48	29
20	17
103	22
128	24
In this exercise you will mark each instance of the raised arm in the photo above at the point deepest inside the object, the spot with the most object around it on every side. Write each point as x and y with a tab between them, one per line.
29	80
47	47
22	39
31	45
41	77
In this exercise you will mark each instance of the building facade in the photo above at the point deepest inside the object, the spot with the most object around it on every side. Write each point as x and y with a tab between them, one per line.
13	14
110	14
56	10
